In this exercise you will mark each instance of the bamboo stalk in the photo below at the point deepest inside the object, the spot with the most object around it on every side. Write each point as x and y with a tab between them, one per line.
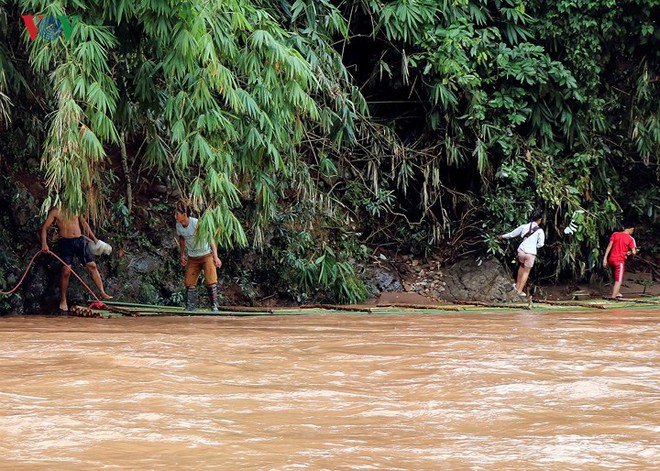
123	303
221	309
336	307
81	311
150	307
127	173
246	309
498	305
421	306
572	303
636	301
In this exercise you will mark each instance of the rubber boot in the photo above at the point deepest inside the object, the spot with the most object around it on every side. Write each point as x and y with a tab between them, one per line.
191	302
213	296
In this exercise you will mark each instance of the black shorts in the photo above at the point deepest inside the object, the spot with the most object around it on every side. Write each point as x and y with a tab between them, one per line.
68	248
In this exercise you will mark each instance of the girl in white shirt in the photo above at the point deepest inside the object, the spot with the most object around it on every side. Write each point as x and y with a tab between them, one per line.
533	238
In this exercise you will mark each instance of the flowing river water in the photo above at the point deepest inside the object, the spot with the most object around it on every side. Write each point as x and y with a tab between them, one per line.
481	391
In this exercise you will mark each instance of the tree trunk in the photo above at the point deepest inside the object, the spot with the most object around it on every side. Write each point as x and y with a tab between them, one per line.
127	173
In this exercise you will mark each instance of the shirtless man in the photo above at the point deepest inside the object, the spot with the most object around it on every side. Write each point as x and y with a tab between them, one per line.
71	243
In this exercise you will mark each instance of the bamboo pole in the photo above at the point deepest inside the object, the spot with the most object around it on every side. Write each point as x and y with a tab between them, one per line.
127	173
572	303
498	305
152	308
420	306
336	307
246	309
636	301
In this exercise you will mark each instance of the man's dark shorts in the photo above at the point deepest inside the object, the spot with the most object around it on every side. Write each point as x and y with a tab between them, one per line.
68	248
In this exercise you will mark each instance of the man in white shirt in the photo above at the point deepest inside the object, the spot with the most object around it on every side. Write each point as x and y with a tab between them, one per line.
533	238
196	255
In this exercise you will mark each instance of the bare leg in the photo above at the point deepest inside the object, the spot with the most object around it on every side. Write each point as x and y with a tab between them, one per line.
96	276
617	282
64	286
523	274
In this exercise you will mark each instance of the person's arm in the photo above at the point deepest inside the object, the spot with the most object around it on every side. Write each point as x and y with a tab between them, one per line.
607	252
44	229
86	229
216	260
182	247
514	233
633	247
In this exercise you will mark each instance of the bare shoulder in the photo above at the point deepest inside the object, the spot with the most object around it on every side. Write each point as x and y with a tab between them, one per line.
53	215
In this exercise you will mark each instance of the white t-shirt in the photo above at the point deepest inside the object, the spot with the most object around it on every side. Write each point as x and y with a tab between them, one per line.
533	242
194	248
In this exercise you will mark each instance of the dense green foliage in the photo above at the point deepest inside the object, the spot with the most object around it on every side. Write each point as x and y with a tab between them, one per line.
311	130
521	104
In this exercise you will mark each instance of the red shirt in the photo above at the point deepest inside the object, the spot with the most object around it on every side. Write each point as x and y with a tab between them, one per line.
622	242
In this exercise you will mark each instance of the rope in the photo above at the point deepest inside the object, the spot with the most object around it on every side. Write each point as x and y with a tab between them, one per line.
6	293
77	276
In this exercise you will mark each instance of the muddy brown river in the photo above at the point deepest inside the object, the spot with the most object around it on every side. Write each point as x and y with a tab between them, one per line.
522	390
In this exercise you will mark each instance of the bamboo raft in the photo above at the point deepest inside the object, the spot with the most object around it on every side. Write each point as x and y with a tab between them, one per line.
112	309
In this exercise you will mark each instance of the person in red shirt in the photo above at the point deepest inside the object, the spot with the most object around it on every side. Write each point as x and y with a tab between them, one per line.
621	245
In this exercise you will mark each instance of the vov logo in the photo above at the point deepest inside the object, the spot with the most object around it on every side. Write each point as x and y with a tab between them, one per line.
50	27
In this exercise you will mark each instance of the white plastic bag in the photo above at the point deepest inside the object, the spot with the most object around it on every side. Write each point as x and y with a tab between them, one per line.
100	248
